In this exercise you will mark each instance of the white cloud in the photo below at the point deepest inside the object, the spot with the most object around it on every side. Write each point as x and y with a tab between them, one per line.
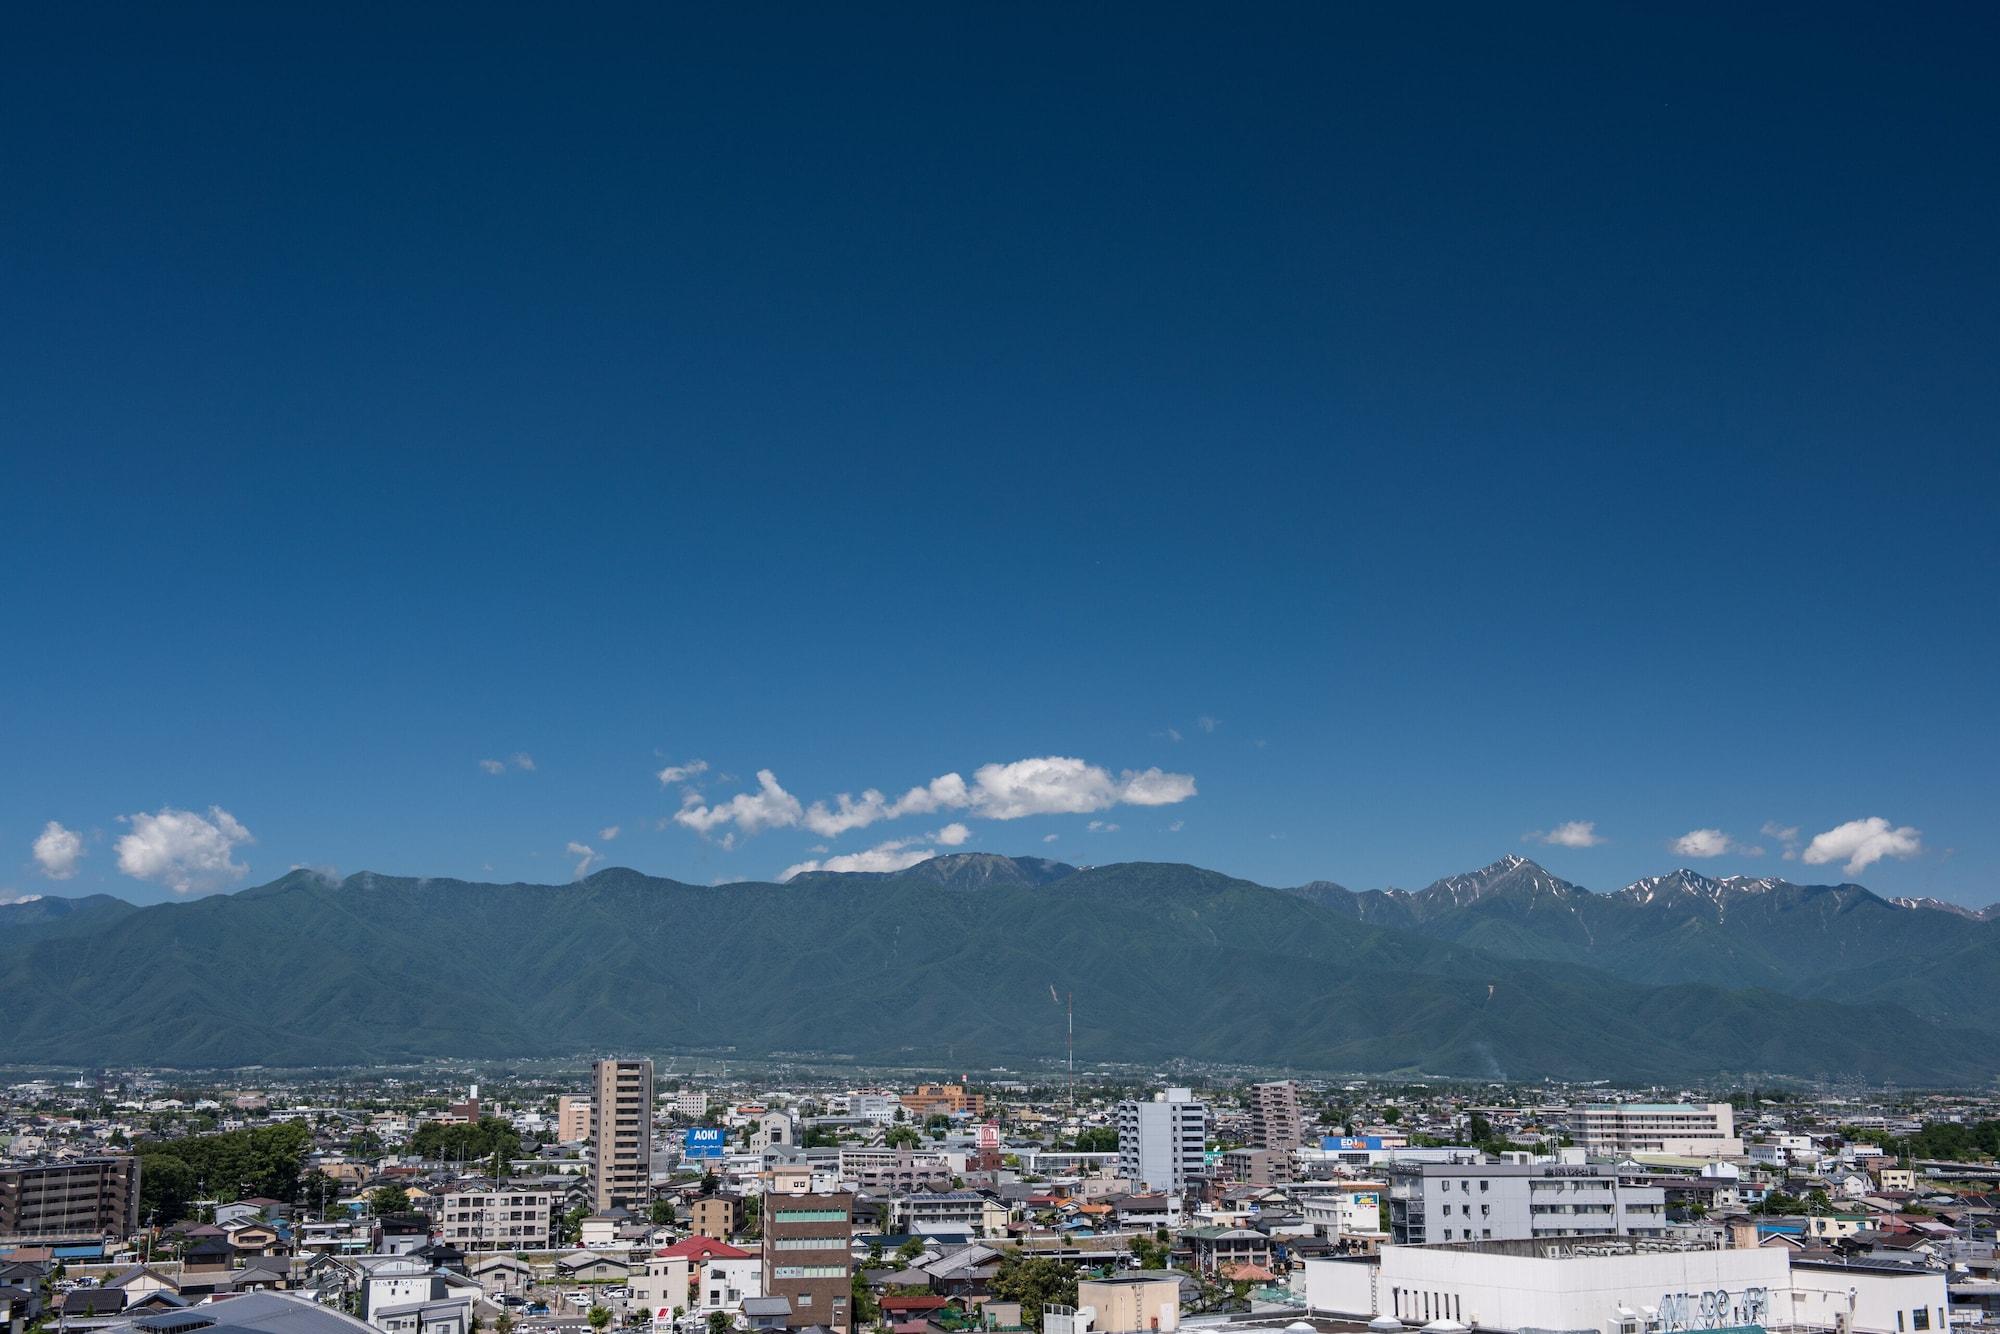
1569	834
895	855
494	766
586	858
1060	785
1862	843
58	850
1047	785
1175	827
1787	836
523	761
606	834
1207	724
186	852
1050	838
952	835
770	807
20	898
681	773
1101	827
1171	734
1702	843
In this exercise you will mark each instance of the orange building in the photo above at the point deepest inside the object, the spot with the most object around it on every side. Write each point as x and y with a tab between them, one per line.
947	1098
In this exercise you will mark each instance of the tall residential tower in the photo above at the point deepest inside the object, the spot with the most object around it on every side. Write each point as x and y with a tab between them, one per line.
621	1157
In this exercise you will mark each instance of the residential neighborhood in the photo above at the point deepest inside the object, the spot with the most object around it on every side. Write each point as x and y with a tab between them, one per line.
634	1199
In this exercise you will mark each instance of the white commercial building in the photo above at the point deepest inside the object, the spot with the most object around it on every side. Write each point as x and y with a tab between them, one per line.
1162	1143
1707	1131
1617	1285
1349	1214
1437	1202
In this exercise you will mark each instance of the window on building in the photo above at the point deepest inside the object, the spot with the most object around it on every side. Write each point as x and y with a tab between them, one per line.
1920	1318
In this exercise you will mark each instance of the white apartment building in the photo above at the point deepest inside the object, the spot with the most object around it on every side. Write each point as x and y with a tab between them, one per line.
1162	1142
1683	1129
691	1103
497	1218
1441	1202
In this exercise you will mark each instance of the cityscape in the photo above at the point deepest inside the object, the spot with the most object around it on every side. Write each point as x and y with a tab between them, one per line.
690	1198
1299	667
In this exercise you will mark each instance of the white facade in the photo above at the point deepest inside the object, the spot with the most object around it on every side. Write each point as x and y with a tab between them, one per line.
497	1219
1162	1143
1707	1131
1354	1209
1623	1287
1434	1202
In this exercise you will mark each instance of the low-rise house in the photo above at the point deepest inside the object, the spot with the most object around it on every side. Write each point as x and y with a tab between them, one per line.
498	1272
1214	1247
591	1267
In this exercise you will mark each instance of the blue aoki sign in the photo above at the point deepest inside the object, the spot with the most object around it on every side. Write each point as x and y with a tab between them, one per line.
704	1142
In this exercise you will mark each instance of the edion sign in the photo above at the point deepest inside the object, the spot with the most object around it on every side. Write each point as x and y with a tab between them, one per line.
1349	1143
989	1135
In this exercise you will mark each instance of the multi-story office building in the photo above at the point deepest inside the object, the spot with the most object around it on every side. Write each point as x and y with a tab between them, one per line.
1437	1202
81	1198
496	1218
807	1236
572	1119
1652	1127
622	1135
1162	1142
930	1099
1274	1116
691	1103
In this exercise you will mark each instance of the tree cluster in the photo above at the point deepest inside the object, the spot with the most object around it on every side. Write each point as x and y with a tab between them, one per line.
263	1160
474	1141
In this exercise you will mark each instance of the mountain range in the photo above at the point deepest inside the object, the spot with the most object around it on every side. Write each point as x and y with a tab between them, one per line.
1504	972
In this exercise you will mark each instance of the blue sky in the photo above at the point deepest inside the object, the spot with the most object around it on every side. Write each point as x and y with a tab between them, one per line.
1414	434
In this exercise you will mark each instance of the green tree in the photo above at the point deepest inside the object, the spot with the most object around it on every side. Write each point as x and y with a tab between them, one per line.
1391	1115
1034	1281
902	1137
262	1160
820	1137
390	1199
572	1224
1097	1139
503	1323
1478	1129
909	1251
861	1304
482	1139
661	1213
719	1322
599	1317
